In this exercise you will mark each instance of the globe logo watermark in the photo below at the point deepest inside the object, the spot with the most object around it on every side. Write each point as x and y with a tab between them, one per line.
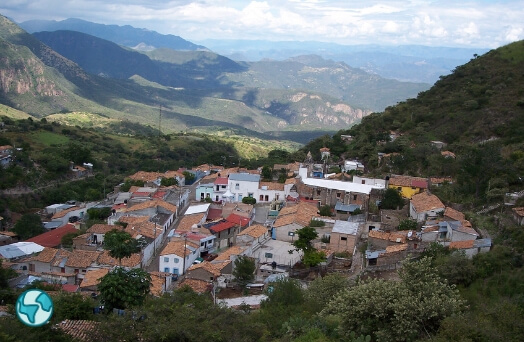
34	308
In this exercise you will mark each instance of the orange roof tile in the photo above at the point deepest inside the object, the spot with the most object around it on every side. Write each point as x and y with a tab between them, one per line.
133	219
101	228
187	222
302	213
79	330
46	255
461	244
214	268
146	176
396	248
82	259
146	229
92	277
405	180
152	203
158	281
197	285
132	261
255	231
178	248
63	213
425	202
272	186
235	250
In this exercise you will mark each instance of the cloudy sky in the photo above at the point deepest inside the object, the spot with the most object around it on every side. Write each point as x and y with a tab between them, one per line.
465	23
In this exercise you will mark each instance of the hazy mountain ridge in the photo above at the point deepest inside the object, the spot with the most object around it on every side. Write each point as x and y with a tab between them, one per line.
407	63
122	35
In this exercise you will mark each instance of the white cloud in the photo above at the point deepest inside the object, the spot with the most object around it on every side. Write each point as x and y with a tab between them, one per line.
442	22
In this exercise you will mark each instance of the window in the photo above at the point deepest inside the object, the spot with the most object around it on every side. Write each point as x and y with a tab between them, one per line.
202	196
277	196
343	238
175	271
262	197
216	198
354	197
399	188
166	269
202	244
250	194
218	187
363	181
291	233
166	259
267	198
237	186
228	231
76	270
338	194
318	192
176	260
62	269
240	197
269	255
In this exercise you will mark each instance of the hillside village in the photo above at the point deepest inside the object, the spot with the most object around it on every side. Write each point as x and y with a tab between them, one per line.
194	233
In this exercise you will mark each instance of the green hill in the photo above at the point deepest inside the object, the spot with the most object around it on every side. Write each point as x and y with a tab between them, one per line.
477	112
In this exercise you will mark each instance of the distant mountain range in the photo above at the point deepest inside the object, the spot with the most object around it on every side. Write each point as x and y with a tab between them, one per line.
191	88
122	35
407	63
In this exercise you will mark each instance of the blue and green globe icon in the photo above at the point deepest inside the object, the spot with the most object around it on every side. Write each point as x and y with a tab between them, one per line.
34	307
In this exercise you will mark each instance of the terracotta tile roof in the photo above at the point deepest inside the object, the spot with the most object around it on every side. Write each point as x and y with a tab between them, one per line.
151	204
106	259
425	202
461	244
219	227
177	248
214	214
302	213
82	259
290	181
408	181
237	219
396	248
519	211
92	277
53	238
272	186
214	268
146	176
63	213
133	219
188	221
235	250
457	216
46	255
146	229
60	258
197	285
221	181
158	281
399	237
255	231
101	228
448	154
80	330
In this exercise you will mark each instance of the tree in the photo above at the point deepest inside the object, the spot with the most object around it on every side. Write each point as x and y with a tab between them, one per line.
322	290
407	224
67	240
120	244
249	200
28	226
312	257
325	210
244	270
189	177
168	181
397	310
267	174
72	306
392	200
122	289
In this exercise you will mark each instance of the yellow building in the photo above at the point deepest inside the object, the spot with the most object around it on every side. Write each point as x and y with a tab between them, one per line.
408	186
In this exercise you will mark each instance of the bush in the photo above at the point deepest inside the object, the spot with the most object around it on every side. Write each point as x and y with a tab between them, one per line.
249	200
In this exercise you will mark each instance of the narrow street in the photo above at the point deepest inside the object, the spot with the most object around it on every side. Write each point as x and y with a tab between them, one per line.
154	264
